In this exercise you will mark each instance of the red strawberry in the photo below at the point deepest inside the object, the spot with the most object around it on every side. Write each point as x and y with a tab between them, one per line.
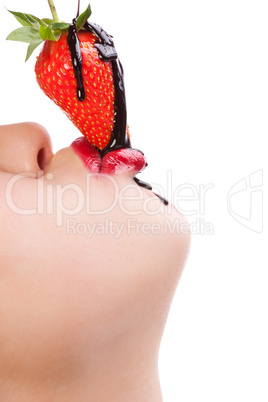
79	70
94	116
56	73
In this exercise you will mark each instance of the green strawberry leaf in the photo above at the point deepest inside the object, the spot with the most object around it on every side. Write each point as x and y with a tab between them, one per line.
34	30
34	20
61	26
24	34
46	33
27	19
57	34
48	21
21	18
32	46
82	19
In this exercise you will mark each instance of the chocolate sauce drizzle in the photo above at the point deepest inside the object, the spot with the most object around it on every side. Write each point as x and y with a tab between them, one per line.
75	50
107	52
149	187
119	138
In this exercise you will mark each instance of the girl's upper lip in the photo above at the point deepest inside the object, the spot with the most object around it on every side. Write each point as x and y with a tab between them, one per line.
115	162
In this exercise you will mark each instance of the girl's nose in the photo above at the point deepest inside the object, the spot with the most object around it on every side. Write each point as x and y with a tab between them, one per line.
25	148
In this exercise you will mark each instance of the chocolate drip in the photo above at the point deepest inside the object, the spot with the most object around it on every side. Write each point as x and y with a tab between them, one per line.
149	187
75	50
143	184
119	138
164	200
107	52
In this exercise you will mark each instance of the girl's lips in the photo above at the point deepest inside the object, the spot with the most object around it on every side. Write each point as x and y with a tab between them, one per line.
115	162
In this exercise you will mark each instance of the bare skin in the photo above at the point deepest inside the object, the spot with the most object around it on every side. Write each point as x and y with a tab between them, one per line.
85	289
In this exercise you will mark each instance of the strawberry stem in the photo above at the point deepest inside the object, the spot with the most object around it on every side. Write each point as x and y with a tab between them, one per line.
78	9
53	11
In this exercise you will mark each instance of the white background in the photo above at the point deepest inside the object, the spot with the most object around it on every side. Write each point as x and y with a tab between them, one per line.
196	75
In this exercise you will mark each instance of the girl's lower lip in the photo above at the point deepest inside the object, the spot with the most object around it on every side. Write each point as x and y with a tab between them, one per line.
115	162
